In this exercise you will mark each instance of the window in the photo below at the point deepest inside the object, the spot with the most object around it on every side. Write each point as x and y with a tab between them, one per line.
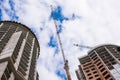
111	79
98	79
96	75
100	66
93	69
91	66
102	69
87	70
90	77
105	73
99	63
95	72
96	61
107	76
95	58
89	74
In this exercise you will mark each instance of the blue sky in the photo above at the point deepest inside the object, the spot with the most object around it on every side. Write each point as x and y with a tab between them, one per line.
85	22
57	14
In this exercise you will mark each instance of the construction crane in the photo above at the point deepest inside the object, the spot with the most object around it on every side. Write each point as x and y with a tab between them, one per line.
66	66
83	46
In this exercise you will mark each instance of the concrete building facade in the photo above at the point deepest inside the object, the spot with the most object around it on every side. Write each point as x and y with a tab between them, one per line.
19	50
101	63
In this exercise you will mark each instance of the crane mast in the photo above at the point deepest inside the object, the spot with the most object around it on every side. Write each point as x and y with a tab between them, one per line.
66	66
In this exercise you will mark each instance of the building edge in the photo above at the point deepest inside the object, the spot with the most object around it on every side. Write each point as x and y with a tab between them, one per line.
18	23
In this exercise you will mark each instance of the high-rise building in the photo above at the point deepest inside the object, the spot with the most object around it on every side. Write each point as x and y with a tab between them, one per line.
101	63
19	50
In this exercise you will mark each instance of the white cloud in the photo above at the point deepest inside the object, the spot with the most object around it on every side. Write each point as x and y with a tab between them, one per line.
98	24
46	75
5	16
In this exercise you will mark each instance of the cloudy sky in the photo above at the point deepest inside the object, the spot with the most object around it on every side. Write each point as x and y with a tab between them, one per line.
85	22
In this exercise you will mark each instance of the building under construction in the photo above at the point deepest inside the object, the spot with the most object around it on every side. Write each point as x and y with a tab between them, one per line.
101	63
19	51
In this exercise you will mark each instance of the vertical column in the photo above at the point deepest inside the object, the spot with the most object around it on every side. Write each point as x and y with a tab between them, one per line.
112	55
37	76
108	70
33	62
9	48
96	68
1	25
3	31
21	52
81	72
30	60
116	70
78	74
11	76
3	66
25	57
35	73
7	32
